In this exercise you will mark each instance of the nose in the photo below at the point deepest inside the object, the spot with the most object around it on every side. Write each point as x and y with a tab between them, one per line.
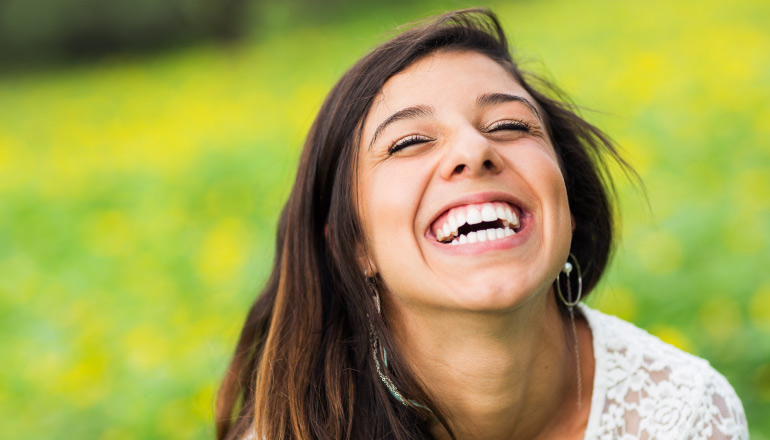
470	155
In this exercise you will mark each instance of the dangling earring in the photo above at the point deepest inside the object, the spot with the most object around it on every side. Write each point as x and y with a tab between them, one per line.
571	303
379	351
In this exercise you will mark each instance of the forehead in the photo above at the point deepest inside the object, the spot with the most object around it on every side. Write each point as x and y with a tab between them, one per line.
442	78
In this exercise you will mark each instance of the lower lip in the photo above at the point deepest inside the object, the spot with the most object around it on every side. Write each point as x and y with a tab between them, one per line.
485	246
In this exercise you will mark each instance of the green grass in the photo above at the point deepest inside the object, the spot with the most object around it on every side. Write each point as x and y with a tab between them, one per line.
139	195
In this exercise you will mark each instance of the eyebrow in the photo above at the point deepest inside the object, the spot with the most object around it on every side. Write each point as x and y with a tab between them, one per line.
407	113
485	100
490	99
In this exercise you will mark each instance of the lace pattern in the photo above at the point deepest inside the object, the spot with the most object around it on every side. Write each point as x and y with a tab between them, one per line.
645	389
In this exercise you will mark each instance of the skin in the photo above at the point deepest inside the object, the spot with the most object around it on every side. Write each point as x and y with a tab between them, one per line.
478	323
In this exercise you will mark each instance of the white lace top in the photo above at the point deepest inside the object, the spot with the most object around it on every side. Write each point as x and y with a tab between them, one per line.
645	389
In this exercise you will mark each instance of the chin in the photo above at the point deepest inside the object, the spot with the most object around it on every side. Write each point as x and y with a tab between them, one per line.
494	297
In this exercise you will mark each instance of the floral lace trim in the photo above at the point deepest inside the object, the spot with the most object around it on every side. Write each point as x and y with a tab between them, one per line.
645	389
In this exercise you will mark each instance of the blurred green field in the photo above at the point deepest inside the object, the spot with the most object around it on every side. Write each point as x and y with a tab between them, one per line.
139	195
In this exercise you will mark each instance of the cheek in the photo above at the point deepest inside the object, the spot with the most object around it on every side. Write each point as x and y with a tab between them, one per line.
563	223
390	197
547	182
555	187
539	165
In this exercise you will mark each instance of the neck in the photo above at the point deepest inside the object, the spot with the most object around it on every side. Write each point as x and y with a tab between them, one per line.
501	375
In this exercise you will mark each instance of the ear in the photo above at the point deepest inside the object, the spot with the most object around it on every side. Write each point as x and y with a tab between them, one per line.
368	268
365	264
572	217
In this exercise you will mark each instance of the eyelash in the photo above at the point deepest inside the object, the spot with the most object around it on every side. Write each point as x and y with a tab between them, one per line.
500	125
407	141
509	125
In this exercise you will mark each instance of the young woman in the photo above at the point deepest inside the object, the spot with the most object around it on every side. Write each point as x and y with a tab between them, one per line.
449	213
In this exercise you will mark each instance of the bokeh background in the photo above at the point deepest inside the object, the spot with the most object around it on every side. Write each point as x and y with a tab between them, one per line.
146	148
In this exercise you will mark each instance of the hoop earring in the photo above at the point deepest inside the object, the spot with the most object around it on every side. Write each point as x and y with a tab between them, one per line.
568	271
570	303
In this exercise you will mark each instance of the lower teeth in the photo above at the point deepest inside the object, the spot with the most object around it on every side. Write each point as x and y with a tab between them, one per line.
483	235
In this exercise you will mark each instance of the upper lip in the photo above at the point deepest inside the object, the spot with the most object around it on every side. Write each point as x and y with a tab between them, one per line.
482	197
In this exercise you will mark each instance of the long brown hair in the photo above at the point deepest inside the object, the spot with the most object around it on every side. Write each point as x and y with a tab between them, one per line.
303	367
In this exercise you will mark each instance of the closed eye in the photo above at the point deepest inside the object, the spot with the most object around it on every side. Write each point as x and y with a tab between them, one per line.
509	125
406	142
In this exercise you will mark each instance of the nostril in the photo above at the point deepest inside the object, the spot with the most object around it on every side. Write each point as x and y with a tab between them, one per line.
458	169
489	165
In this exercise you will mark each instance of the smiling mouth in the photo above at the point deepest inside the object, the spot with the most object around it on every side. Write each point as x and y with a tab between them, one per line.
477	222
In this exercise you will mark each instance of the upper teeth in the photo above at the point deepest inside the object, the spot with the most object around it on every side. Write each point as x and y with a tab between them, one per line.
475	214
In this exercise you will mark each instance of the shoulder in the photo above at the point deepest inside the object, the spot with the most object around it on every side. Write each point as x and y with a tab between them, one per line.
646	388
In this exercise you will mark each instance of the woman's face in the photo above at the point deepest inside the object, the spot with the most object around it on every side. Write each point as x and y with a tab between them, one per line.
461	198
